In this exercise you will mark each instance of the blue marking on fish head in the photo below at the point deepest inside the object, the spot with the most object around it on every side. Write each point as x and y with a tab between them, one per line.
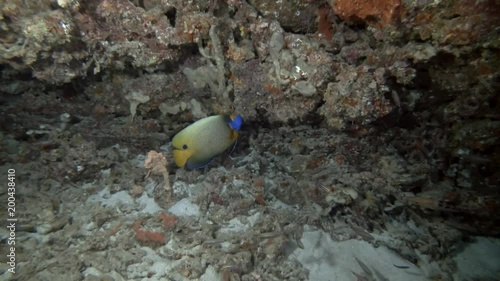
236	123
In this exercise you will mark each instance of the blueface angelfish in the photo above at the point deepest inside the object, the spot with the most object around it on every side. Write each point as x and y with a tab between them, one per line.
197	144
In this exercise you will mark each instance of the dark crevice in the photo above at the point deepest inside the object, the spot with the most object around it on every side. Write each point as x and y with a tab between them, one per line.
171	14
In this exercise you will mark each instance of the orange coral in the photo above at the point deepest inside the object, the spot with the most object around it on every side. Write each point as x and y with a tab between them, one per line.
373	12
147	236
325	27
260	199
168	220
272	89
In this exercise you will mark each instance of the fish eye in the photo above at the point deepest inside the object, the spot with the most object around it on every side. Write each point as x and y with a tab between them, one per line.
184	146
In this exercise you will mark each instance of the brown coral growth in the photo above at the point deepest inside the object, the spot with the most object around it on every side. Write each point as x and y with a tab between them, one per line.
373	12
147	236
168	220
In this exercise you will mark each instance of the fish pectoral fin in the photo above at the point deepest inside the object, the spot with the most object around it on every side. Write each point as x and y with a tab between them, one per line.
233	147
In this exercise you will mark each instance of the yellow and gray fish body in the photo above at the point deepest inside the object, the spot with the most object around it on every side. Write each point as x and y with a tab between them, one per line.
197	144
